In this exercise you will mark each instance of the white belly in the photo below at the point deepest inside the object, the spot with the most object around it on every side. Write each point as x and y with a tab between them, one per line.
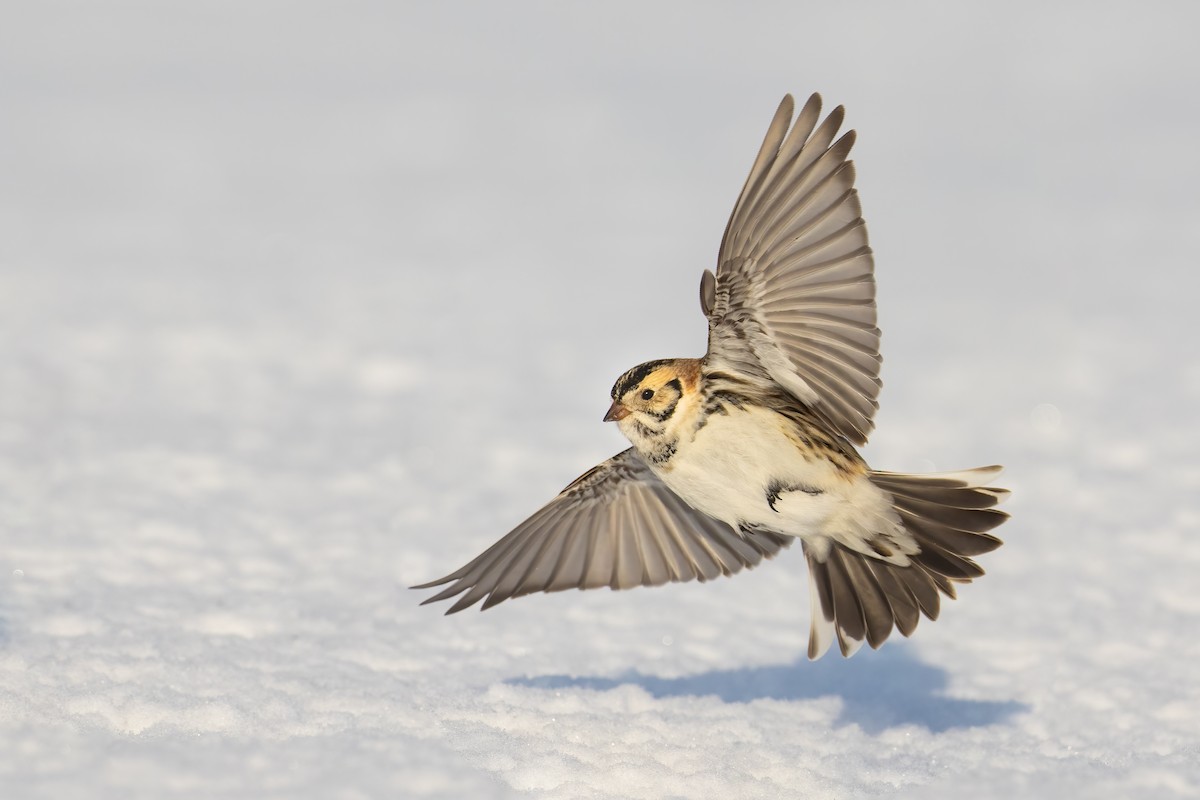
728	469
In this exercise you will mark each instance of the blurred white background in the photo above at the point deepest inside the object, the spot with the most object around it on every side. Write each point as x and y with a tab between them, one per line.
302	303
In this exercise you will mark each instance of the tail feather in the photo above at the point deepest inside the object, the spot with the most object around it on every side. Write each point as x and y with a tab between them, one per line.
858	598
847	610
944	562
903	601
820	599
955	540
872	600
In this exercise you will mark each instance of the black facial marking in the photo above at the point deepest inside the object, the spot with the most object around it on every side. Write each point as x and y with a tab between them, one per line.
663	415
635	376
644	430
776	488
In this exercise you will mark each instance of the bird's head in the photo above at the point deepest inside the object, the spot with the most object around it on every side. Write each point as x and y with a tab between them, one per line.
650	401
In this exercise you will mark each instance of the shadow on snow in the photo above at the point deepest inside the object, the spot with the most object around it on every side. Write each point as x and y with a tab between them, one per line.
879	690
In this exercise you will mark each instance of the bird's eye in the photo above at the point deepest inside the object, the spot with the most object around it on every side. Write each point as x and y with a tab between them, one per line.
646	395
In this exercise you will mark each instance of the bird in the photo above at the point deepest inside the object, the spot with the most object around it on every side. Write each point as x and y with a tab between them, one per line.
738	454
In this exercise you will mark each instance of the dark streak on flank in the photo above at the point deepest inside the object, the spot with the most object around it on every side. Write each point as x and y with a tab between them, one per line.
776	488
809	427
715	404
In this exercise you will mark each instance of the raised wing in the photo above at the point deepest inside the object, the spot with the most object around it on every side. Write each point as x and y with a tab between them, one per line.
793	300
617	525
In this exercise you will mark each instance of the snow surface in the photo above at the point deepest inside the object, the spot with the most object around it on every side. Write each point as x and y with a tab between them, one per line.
302	304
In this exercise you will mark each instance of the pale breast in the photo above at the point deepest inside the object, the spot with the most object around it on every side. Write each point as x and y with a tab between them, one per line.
744	468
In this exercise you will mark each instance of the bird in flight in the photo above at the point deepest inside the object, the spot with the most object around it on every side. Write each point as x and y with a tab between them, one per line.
737	454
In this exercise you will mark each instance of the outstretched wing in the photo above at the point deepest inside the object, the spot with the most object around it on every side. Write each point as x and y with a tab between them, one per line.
617	525
793	300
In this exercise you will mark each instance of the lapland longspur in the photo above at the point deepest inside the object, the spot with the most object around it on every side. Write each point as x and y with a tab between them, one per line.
738	453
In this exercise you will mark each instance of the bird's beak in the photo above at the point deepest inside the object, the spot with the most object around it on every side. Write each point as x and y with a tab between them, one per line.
616	411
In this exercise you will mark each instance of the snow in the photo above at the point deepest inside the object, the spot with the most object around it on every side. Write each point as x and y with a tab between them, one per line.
303	304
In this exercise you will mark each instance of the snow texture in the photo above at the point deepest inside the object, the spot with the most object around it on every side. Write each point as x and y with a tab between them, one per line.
303	304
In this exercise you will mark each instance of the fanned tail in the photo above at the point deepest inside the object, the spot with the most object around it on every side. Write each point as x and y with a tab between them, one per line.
858	598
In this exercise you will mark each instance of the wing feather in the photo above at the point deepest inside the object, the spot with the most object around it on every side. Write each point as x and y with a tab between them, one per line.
618	525
812	183
793	302
571	568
